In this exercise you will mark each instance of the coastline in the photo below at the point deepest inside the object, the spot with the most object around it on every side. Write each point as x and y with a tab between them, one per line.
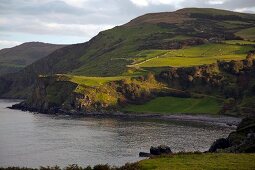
222	120
207	119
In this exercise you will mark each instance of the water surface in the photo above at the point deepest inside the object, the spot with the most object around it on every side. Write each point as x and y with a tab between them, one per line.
34	140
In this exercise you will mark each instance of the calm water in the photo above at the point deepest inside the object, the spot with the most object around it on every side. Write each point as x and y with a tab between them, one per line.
33	140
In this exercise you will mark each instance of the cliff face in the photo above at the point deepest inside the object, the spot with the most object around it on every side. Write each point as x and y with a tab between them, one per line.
48	96
184	78
56	94
211	76
233	81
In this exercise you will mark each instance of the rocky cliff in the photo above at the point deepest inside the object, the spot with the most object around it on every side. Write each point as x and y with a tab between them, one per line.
232	81
240	141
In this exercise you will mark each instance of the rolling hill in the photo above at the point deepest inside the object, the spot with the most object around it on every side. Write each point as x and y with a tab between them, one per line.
109	53
16	58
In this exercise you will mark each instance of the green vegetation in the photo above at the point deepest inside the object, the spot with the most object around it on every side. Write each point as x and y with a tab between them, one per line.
200	161
119	49
198	55
92	81
239	42
248	34
148	54
97	92
175	105
111	51
58	92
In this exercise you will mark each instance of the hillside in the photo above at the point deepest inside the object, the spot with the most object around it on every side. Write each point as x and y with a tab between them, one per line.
109	52
190	53
16	58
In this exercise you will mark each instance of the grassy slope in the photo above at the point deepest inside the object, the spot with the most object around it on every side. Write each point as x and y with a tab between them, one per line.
201	161
93	81
109	53
120	47
198	55
248	34
175	105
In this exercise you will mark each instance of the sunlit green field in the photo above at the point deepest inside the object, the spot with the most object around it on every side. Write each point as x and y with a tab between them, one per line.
198	55
175	105
241	42
92	81
201	162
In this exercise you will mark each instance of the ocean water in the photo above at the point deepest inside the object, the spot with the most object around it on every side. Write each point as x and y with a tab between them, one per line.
33	140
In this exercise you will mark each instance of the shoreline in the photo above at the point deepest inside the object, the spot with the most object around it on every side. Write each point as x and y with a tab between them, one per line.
222	120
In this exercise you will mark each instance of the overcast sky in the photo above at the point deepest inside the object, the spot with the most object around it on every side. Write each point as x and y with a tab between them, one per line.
74	21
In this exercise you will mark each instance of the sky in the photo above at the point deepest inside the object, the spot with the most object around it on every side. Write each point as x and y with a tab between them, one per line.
75	21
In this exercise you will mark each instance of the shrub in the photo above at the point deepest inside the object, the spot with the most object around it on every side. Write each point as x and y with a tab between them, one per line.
102	167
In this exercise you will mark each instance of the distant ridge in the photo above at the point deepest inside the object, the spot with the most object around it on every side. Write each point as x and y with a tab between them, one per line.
16	58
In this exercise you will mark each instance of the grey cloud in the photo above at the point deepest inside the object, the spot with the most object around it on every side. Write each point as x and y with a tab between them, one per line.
235	4
31	7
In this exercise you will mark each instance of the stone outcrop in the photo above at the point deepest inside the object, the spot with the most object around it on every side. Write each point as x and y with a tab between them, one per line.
154	43
187	77
155	151
237	67
159	150
221	143
240	141
48	95
209	76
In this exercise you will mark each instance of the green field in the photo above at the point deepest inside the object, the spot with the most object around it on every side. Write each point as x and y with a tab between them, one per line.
201	161
198	55
248	34
175	105
92	81
240	42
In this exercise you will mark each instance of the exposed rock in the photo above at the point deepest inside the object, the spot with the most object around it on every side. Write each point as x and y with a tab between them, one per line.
240	141
221	143
162	149
155	43
144	154
187	77
237	67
